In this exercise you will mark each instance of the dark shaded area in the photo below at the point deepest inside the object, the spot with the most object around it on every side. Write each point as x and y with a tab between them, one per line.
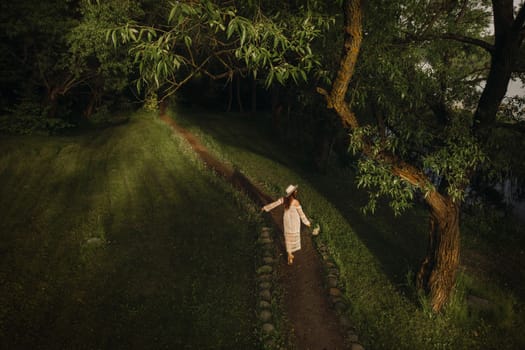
399	243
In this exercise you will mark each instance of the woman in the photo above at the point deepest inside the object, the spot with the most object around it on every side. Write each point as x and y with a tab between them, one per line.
293	215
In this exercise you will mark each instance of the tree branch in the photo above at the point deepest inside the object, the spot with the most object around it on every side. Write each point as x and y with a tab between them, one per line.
352	44
336	98
465	39
447	36
519	21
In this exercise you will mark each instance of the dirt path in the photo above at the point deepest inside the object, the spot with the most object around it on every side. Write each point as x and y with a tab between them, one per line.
313	323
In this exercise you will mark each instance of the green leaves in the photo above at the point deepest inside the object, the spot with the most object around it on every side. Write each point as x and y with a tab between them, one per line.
414	93
460	155
213	39
378	178
279	47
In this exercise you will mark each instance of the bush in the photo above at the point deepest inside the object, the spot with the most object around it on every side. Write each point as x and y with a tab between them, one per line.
27	125
28	118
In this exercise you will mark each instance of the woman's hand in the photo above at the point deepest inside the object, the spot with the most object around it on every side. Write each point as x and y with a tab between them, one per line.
316	230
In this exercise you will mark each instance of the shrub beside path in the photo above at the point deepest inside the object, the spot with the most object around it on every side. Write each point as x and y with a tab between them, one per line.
313	323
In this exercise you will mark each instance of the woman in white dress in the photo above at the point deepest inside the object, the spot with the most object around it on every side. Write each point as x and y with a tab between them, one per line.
293	215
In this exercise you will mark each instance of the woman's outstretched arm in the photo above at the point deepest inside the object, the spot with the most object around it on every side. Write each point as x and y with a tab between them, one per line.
270	206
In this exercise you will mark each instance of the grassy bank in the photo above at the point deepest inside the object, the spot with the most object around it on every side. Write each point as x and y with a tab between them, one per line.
377	254
119	239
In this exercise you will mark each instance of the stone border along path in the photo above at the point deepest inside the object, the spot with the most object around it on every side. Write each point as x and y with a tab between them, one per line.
315	304
265	287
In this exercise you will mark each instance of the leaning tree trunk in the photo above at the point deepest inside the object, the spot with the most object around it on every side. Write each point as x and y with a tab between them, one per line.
437	274
438	271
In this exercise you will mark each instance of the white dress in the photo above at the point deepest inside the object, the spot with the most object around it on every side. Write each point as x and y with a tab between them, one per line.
292	224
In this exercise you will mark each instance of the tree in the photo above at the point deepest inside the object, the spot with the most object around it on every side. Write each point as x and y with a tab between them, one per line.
222	40
35	50
106	71
411	104
53	52
423	128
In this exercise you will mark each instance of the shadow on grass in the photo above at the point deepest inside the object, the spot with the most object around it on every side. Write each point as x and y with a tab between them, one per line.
398	243
117	240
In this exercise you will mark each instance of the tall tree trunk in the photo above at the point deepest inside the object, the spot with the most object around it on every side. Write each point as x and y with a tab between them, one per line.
437	275
230	96
254	95
494	92
239	98
509	36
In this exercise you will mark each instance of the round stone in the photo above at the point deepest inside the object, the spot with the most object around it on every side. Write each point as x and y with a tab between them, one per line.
335	292
264	269
265	316
265	285
331	282
329	264
263	304
268	328
340	306
333	271
265	295
95	242
264	234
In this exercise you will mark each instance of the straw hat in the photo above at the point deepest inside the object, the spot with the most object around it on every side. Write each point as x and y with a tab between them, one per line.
291	189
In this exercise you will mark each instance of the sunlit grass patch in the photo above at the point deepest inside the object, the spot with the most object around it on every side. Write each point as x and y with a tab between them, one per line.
120	238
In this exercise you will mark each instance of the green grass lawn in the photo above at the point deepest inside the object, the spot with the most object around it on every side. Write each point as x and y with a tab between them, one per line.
120	239
377	254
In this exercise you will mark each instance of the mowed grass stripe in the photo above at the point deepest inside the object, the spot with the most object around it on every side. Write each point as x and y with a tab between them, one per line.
121	239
